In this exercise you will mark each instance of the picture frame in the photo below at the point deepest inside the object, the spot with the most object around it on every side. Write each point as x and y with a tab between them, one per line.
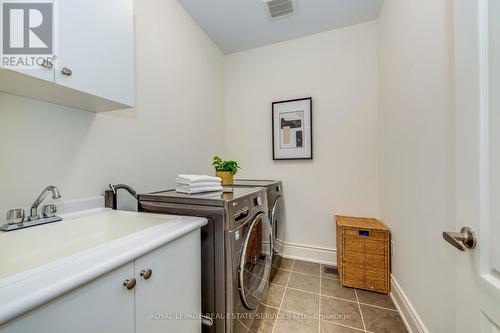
292	129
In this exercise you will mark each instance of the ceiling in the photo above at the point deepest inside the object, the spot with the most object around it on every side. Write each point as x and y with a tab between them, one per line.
237	25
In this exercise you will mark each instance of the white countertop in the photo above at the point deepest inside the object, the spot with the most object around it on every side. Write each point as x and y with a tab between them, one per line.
41	263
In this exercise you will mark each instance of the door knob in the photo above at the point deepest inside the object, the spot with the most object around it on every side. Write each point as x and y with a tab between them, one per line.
463	240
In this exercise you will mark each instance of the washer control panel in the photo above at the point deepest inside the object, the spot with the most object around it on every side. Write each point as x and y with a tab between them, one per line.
245	208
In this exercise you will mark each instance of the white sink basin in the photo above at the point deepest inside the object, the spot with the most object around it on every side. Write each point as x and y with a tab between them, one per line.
41	263
32	247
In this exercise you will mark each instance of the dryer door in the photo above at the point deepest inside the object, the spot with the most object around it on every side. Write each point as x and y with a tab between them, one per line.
277	216
255	261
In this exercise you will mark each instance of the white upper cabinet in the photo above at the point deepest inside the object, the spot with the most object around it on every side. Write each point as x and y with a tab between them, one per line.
93	42
18	38
95	47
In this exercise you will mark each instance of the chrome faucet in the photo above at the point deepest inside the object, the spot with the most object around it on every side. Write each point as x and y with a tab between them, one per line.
15	217
34	207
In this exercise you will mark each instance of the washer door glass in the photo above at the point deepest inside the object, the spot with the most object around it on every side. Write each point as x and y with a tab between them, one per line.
278	225
255	261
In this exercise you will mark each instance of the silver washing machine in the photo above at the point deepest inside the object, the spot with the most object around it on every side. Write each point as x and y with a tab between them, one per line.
275	201
236	250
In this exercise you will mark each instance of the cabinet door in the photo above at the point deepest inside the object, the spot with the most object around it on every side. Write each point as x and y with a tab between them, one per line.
35	69
95	41
101	306
173	290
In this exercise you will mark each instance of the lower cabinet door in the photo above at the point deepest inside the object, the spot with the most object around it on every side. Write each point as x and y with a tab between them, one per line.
101	306
168	292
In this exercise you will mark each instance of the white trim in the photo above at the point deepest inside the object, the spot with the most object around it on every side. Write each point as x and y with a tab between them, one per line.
484	134
410	317
310	253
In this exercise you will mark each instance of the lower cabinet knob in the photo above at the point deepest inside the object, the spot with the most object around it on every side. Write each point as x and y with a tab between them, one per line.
146	273
129	283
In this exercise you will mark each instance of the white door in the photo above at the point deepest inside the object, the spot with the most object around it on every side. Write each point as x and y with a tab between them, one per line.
104	305
95	47
477	162
168	292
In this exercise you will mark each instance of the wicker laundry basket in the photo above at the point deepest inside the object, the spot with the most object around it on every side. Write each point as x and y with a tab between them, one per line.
363	254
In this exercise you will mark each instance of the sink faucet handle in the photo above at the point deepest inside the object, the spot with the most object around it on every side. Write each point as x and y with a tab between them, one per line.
49	210
15	216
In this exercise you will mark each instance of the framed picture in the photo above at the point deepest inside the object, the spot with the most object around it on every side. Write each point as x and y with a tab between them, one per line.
292	129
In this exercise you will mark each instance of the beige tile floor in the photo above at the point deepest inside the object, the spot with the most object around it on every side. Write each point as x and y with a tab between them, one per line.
304	297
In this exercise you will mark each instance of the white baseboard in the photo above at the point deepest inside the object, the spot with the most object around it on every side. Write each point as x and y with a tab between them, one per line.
310	253
412	320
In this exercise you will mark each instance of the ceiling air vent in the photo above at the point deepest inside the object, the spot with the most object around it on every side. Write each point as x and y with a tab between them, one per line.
279	8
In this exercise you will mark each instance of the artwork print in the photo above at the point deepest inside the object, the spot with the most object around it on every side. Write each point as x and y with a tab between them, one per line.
291	126
292	129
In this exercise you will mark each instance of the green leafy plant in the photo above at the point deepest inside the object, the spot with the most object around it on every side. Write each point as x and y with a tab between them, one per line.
221	165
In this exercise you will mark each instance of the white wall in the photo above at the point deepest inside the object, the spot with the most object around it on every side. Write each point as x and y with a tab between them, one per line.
339	70
177	126
394	86
415	114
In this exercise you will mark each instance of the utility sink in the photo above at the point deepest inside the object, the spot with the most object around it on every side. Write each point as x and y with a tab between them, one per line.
25	249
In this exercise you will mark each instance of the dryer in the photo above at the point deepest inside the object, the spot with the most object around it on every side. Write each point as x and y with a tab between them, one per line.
236	249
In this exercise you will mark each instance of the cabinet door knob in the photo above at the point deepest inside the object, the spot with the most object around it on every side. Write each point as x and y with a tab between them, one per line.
66	71
129	283
47	64
146	273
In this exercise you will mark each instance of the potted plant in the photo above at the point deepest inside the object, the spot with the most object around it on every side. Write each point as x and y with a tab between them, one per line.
225	170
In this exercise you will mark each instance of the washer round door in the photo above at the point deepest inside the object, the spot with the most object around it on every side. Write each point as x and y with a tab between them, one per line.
255	261
278	226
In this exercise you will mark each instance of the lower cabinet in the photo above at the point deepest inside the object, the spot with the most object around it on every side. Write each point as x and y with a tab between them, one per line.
103	305
162	295
170	298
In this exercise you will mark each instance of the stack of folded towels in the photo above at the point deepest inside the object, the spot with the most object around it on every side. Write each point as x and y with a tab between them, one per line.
191	184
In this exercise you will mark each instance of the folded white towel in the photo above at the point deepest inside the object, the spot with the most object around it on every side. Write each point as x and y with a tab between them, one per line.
191	179
189	190
197	185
